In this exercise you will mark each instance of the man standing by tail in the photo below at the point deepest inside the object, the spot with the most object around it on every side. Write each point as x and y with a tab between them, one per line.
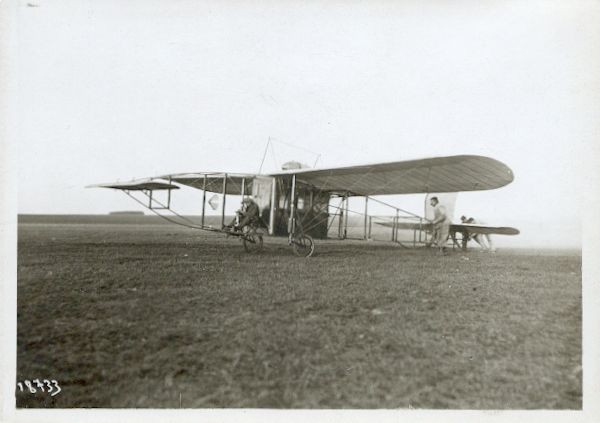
441	225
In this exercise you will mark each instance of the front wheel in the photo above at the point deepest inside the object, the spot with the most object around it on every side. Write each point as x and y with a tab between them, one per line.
253	242
304	245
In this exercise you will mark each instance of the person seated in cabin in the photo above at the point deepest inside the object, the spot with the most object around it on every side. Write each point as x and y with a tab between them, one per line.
484	240
246	215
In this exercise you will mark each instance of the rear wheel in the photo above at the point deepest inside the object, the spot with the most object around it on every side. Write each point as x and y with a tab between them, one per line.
303	245
253	241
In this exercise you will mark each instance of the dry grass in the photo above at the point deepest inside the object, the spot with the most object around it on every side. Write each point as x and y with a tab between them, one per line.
155	316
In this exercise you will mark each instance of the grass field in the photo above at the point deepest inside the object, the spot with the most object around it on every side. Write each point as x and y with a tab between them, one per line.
136	315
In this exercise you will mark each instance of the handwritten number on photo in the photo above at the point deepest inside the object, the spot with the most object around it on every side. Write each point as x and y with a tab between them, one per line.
52	386
57	387
39	385
31	388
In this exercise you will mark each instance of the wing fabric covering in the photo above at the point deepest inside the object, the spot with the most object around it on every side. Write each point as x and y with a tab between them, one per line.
484	229
457	227
138	185
214	182
440	174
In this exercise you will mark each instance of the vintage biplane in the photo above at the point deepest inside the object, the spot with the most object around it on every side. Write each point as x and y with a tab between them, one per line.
296	201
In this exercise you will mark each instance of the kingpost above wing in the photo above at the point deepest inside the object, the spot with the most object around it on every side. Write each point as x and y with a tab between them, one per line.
439	174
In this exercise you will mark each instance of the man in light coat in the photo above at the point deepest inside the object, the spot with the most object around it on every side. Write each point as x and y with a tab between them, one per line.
441	224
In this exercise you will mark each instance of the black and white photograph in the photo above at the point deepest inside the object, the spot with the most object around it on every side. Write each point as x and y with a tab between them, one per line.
225	209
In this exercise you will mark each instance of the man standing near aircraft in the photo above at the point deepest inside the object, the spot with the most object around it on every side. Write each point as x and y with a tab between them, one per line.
441	224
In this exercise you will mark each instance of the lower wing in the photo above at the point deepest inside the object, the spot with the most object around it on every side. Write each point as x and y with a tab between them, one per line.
475	229
456	227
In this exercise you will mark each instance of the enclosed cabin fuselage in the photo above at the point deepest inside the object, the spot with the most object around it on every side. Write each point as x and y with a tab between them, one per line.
273	196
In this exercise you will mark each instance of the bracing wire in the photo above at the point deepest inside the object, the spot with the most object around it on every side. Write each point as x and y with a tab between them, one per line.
270	146
273	155
264	155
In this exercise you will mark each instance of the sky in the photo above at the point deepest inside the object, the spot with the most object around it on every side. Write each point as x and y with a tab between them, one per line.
112	90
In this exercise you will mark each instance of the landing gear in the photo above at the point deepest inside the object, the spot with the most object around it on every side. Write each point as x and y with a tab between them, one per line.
304	245
252	239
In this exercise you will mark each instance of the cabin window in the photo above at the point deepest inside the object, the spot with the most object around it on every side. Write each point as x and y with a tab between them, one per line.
300	203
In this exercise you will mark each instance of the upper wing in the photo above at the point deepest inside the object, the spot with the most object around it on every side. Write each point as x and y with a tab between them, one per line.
213	182
439	174
137	185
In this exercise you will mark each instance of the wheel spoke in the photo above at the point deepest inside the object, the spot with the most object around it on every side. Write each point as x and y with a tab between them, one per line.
303	245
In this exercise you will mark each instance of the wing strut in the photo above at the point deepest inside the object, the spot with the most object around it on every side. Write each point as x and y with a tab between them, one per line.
203	200
224	198
184	220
